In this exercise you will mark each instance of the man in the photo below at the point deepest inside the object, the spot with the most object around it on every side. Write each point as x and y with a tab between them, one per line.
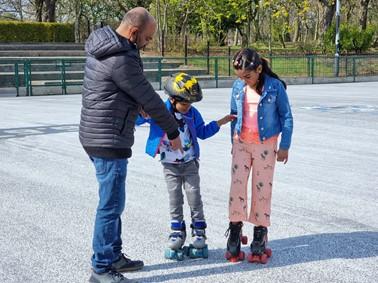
114	91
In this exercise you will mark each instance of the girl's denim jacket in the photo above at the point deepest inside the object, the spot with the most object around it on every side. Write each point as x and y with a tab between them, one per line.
196	125
274	113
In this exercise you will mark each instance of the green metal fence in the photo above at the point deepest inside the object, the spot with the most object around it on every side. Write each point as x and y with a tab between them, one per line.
65	73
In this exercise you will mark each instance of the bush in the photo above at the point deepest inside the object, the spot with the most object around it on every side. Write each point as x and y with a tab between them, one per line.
351	38
14	31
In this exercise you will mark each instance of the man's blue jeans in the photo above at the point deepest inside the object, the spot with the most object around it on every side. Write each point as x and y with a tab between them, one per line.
107	242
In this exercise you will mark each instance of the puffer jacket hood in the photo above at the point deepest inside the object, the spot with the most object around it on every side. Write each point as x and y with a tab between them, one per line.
105	42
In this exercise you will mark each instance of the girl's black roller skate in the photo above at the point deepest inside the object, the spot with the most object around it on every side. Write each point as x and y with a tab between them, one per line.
259	251
235	239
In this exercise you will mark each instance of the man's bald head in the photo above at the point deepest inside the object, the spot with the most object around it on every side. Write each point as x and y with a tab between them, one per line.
138	26
137	17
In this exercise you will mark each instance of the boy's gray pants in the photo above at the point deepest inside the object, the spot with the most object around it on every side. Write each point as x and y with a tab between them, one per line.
184	175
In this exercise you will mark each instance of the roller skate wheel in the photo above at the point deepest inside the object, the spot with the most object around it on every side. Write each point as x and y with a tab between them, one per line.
180	256
234	259
244	240
227	255
169	254
268	252
205	253
253	258
264	258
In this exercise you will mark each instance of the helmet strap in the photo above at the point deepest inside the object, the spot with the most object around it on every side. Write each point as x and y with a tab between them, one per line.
174	102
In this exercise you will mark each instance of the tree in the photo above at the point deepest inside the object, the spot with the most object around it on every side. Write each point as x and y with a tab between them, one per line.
364	13
330	8
50	8
13	9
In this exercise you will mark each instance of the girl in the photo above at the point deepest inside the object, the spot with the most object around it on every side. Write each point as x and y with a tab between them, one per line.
260	102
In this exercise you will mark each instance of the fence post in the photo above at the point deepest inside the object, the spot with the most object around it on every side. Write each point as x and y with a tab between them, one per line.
229	61
63	76
271	60
159	72
16	79
312	69
308	66
346	65
354	68
208	57
162	43
186	49
216	72
27	78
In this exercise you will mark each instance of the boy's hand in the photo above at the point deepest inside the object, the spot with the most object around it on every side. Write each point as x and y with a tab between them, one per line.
176	144
282	155
226	119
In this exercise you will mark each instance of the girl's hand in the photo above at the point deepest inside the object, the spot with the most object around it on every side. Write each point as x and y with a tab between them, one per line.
226	119
144	114
282	155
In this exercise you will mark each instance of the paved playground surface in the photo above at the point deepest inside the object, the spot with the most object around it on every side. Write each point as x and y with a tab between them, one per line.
325	200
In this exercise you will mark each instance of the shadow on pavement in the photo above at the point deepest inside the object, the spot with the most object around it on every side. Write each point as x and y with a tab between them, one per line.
289	251
12	133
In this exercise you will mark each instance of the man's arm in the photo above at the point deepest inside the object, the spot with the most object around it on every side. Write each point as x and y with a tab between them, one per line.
129	77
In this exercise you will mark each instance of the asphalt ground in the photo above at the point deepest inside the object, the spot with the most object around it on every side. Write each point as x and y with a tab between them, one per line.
324	209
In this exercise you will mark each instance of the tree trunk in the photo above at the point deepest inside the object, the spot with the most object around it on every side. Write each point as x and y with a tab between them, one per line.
78	14
256	24
159	33
51	9
236	37
317	24
282	40
243	36
297	29
364	13
184	24
39	10
254	20
18	7
330	9
165	21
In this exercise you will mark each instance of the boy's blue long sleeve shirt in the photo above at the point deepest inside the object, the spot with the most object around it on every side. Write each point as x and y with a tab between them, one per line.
196	125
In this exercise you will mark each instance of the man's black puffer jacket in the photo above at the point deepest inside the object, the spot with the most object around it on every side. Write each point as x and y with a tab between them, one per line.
114	89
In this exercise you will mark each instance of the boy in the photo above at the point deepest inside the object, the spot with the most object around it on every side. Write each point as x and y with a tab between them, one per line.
181	166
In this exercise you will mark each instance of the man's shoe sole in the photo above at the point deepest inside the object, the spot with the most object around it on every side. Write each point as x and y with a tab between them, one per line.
129	269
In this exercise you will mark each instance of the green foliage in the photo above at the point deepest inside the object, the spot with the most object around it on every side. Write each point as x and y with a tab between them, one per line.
12	31
352	39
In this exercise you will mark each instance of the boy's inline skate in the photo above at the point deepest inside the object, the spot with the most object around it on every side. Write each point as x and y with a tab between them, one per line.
259	251
198	248
235	239
176	241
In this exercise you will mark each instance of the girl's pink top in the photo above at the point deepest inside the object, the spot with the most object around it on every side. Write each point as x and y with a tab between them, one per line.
250	127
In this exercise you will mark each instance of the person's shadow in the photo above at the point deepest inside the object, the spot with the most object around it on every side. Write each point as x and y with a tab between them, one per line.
287	251
22	132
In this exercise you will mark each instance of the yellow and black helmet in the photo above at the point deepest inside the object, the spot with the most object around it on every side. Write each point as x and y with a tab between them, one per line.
183	88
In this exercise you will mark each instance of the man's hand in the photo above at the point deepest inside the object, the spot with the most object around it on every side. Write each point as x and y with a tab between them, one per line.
226	119
282	155
176	144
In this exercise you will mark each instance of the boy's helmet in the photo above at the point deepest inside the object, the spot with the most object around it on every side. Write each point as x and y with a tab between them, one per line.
183	88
